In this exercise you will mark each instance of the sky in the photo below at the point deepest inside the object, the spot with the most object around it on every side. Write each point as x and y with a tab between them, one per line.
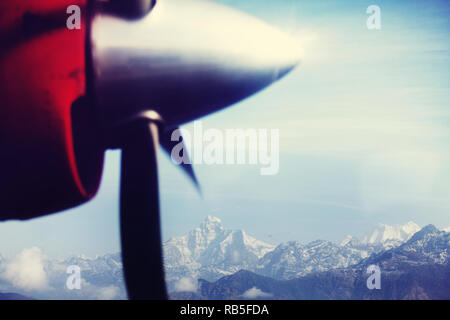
364	126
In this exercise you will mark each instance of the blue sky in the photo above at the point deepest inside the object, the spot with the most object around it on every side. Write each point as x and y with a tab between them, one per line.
364	138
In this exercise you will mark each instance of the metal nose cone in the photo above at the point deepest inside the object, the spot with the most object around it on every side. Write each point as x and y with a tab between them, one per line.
185	59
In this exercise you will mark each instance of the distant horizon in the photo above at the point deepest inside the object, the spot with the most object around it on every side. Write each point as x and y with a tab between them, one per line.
338	242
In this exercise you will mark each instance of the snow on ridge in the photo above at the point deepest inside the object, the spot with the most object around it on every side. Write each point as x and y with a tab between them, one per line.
213	219
346	240
260	248
384	233
209	250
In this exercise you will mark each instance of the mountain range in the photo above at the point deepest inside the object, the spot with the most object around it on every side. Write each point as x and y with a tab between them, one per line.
211	262
210	252
417	269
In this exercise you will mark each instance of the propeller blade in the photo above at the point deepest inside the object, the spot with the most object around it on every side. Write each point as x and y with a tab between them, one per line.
139	214
186	165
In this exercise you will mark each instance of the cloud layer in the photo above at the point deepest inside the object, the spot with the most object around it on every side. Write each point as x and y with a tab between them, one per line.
26	270
255	293
186	285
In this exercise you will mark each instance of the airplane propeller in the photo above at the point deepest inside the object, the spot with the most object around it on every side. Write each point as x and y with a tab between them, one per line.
131	73
179	61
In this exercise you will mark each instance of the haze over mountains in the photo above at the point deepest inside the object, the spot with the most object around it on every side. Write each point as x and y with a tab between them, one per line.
217	256
417	269
210	252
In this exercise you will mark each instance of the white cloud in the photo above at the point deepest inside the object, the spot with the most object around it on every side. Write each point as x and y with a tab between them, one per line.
186	284
254	293
90	291
108	293
26	270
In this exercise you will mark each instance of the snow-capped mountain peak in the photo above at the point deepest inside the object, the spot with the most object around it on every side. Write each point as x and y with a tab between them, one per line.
348	239
387	235
211	223
425	232
211	251
209	229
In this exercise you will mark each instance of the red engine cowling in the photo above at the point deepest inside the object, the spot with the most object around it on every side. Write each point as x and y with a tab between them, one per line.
51	157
